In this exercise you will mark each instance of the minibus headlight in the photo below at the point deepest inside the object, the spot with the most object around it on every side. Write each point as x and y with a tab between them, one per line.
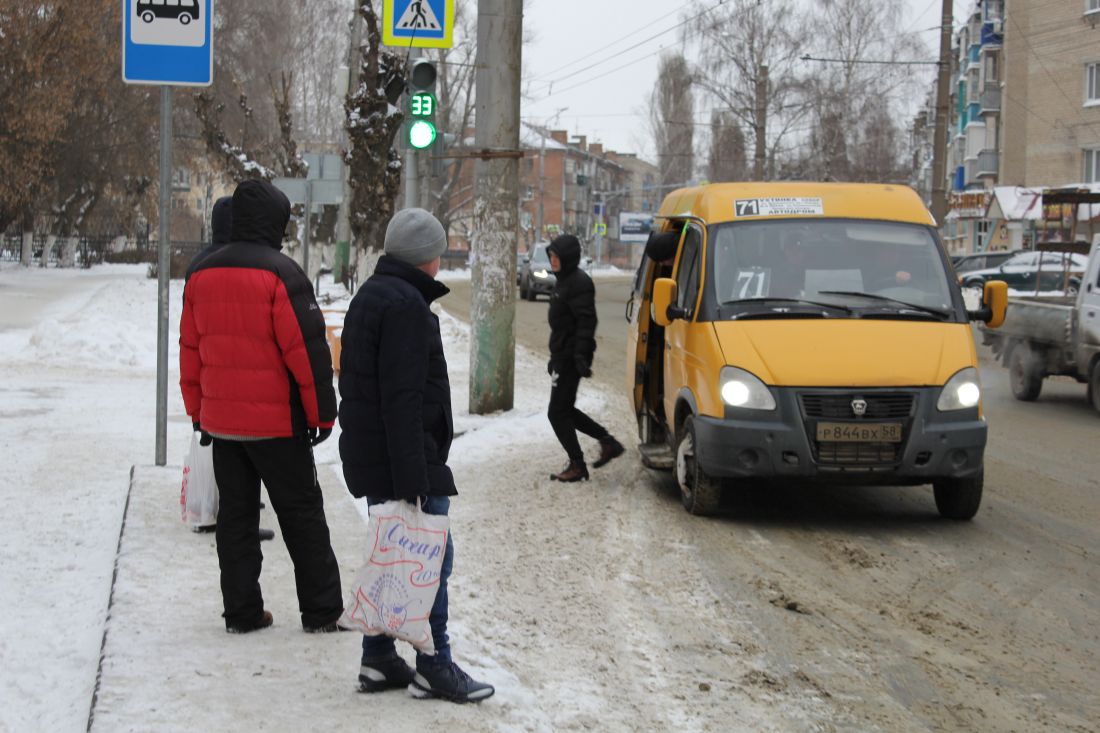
542	274
962	391
743	389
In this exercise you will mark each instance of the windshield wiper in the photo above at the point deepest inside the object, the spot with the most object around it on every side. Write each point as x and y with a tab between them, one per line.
796	301
912	306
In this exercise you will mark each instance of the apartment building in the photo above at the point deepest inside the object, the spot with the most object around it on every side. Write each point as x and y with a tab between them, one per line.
1052	81
975	134
567	186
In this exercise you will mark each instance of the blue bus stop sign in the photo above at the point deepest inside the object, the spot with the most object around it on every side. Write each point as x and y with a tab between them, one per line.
167	42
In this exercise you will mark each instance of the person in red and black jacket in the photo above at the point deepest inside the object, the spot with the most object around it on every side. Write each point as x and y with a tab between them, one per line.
256	376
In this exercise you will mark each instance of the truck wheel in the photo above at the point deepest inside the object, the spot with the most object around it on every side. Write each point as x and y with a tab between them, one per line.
699	493
959	498
1094	385
1025	380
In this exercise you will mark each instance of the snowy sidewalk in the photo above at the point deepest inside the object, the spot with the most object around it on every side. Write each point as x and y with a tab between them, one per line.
169	664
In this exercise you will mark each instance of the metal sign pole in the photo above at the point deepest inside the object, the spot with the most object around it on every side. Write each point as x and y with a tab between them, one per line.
163	267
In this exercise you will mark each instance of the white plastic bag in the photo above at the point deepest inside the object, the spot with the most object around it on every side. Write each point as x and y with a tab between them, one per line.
394	592
199	491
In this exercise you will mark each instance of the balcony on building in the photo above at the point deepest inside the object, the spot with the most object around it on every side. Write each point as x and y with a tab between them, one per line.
988	164
975	54
991	97
974	113
992	33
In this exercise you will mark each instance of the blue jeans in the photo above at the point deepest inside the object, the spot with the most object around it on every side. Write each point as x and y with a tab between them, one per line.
378	647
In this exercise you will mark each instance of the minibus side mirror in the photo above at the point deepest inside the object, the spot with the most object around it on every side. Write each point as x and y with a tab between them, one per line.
664	295
994	304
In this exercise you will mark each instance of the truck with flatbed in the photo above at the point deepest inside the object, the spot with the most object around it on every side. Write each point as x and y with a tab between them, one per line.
1044	336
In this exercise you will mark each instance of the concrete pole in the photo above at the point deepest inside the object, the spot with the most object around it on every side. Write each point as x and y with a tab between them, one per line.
496	207
163	267
761	123
943	100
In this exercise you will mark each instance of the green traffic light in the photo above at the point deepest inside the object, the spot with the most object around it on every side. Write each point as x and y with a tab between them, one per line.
421	134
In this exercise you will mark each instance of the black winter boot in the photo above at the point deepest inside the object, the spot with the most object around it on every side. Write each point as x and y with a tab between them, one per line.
391	673
575	471
609	450
448	682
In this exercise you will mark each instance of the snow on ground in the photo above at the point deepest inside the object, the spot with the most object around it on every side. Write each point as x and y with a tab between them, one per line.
571	599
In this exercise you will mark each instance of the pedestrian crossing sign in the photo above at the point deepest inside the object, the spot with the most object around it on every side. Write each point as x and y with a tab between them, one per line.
418	23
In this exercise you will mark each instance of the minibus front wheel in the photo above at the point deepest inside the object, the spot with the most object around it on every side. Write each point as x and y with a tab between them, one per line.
959	498
700	493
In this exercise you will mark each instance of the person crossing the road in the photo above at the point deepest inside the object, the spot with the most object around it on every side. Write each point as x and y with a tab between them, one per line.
572	317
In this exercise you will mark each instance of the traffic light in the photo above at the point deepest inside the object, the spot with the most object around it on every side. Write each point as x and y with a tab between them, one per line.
422	104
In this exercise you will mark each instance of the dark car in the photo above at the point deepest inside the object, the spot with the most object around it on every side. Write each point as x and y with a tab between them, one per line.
981	261
536	278
1030	271
184	10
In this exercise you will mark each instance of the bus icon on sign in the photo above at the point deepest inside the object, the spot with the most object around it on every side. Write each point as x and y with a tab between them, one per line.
167	22
184	11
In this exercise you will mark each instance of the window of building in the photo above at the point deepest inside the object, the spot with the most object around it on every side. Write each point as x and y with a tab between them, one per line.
1092	6
1092	166
1092	84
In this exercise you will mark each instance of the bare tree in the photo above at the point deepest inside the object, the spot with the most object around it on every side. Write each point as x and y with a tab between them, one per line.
854	103
372	124
76	142
42	44
726	161
736	43
672	108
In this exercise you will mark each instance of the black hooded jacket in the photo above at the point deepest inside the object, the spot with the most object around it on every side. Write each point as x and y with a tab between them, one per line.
221	227
395	406
572	313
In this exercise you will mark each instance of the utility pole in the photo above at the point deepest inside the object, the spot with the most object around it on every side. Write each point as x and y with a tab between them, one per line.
496	206
939	145
343	229
761	125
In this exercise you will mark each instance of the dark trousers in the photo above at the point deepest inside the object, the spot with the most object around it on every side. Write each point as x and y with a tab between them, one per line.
381	647
285	465
566	419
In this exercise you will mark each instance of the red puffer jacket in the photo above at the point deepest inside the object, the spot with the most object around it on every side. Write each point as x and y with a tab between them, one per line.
254	361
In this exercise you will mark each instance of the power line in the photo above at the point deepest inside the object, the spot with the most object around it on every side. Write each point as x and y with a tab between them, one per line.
808	57
605	47
550	86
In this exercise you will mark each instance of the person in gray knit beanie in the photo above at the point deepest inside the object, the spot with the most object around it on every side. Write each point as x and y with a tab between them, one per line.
396	431
415	236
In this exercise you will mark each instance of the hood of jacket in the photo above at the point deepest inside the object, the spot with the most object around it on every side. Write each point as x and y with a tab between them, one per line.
568	249
260	213
221	221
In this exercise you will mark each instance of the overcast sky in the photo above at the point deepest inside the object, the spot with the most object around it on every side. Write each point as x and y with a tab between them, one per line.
607	102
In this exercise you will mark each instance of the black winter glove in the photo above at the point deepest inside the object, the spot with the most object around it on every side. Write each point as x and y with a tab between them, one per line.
319	435
204	437
584	366
550	367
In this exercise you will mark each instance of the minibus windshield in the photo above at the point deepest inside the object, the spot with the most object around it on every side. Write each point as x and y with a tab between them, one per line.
872	269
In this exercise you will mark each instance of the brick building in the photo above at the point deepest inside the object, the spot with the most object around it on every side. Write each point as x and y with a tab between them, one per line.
565	184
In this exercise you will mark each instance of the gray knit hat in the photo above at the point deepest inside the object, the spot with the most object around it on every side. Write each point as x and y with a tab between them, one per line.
415	236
